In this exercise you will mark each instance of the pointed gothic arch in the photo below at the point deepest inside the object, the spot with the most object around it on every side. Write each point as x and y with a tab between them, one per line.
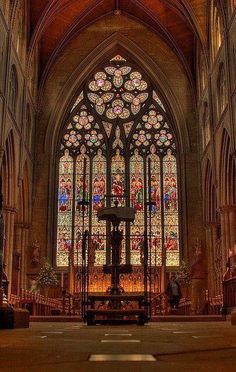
227	171
216	28
116	126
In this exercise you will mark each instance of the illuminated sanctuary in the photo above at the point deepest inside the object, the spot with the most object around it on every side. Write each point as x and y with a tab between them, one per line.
127	105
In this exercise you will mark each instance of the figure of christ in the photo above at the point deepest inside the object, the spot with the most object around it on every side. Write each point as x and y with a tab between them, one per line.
155	195
97	241
80	190
137	241
63	242
173	193
137	193
171	241
65	195
98	193
167	193
118	187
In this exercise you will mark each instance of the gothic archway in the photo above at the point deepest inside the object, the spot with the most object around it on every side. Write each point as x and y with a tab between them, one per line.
118	129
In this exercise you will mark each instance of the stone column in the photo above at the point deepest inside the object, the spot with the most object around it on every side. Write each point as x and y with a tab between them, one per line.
225	233
24	255
210	258
9	213
17	249
232	225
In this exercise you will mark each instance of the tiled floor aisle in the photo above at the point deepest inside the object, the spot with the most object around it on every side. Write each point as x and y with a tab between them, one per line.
74	347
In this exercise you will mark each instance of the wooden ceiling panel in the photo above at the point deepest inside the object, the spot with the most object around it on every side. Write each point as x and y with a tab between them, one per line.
178	22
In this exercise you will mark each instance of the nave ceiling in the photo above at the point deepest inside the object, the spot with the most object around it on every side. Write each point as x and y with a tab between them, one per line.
56	22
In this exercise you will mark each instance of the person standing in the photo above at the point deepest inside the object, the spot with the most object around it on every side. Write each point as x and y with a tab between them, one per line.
173	292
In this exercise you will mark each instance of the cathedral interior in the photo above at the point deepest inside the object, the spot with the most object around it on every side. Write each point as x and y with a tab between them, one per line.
118	110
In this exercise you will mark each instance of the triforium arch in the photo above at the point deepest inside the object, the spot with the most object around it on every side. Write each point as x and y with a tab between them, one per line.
212	223
9	177
227	171
227	195
21	232
117	138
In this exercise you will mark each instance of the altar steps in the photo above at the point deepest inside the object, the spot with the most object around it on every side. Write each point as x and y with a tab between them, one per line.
159	318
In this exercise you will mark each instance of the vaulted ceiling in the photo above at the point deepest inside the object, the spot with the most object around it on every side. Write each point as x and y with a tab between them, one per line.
179	22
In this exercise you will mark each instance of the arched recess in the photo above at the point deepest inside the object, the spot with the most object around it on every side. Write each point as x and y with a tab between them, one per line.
210	201
21	227
221	90
115	44
215	28
109	48
227	172
13	91
74	84
8	171
19	24
213	234
228	194
117	126
9	177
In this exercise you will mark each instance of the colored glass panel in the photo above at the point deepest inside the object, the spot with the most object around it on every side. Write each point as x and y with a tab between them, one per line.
118	92
118	177
82	191
65	201
171	228
137	202
98	238
154	226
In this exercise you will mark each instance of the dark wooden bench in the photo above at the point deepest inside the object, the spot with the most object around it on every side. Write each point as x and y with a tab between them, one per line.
139	315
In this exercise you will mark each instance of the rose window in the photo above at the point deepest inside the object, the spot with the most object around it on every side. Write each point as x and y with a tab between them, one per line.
118	91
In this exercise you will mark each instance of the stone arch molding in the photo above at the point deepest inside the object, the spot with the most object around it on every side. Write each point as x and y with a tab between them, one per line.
99	55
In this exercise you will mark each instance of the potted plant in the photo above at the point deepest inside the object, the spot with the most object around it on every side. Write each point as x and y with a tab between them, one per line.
47	278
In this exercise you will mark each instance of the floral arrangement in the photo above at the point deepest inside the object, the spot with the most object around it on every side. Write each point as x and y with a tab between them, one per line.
47	276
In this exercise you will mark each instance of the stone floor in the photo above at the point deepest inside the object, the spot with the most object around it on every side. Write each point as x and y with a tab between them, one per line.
70	346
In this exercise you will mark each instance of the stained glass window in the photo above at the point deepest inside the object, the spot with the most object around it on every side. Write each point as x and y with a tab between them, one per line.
118	141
